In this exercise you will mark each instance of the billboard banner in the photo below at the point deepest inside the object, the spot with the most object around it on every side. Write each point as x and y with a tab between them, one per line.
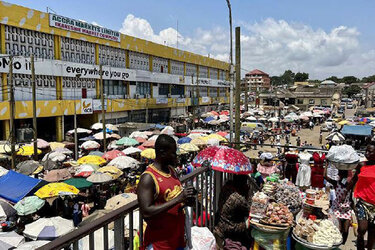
86	106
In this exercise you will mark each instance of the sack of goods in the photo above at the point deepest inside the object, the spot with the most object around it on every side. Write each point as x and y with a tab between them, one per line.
343	157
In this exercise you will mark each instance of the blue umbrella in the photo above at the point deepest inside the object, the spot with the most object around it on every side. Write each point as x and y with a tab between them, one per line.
184	140
159	126
88	138
208	119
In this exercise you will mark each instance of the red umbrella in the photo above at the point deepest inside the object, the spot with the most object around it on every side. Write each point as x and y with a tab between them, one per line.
141	148
224	112
149	144
110	155
222	133
214	113
140	139
224	159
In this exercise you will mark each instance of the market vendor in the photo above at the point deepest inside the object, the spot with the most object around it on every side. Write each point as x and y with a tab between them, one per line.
363	183
266	166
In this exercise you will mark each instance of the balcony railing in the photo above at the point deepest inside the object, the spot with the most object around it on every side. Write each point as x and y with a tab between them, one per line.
208	184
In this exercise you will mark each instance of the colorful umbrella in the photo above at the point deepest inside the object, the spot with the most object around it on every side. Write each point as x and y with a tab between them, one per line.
48	228
141	147
27	167
10	240
111	170
224	112
87	138
149	144
6	210
85	170
224	159
222	133
57	175
215	136
184	140
199	142
29	205
27	151
153	138
335	134
99	177
127	141
80	183
138	134
123	162
140	139
196	135
119	201
344	122
91	159
89	145
208	119
56	189
365	120
110	155
149	153
131	150
189	147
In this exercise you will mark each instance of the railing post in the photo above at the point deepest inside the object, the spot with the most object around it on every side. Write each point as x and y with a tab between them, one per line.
105	237
119	233
131	230
140	229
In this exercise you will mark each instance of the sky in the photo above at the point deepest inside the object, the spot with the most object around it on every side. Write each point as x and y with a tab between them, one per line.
320	37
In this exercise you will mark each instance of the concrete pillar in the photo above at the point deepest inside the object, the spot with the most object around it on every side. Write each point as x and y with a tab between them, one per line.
59	128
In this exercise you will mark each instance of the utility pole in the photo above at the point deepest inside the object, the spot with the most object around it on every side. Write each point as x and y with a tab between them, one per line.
246	96
147	97
75	122
12	115
230	74
35	128
193	98
103	110
238	84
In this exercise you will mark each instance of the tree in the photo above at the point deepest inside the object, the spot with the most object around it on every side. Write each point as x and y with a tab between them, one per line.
368	79
351	90
349	79
276	80
301	77
288	77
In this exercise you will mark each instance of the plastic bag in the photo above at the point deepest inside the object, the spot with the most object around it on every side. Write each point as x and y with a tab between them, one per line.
270	241
202	239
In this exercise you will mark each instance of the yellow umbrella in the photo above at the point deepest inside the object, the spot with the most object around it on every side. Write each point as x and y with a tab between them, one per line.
214	136
111	170
189	147
149	153
55	145
91	159
27	151
343	122
56	189
199	142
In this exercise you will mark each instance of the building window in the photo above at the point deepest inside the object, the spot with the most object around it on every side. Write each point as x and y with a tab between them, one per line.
163	89
213	92
299	101
324	101
311	101
115	87
178	90
143	88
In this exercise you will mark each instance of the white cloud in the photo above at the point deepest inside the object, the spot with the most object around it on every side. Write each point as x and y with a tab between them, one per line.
272	46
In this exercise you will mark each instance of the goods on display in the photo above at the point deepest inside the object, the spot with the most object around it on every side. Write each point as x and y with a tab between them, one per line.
318	232
288	195
269	188
259	204
278	214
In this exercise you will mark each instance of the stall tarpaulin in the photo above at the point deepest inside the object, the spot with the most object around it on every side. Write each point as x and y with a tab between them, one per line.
14	186
360	130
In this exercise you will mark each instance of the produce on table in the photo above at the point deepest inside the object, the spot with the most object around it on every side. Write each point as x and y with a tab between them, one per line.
319	232
278	214
269	188
259	204
288	195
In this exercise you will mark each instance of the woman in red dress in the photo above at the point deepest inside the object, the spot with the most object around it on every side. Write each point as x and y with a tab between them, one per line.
317	171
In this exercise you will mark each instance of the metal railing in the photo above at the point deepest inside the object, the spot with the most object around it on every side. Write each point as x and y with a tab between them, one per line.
208	184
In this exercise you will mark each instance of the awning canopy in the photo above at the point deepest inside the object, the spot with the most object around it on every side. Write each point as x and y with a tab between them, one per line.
14	186
361	130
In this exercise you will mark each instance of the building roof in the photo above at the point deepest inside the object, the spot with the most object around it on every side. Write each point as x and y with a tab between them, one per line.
257	72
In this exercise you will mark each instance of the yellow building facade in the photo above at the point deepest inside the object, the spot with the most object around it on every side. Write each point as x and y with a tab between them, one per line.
138	75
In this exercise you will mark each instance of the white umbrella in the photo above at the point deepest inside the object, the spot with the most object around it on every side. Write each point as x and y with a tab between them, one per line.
3	171
6	210
80	131
99	177
48	228
153	138
97	126
213	142
251	118
138	134
113	145
214	122
123	162
131	150
100	136
273	119
111	127
372	124
115	136
54	156
338	136
63	151
168	130
262	119
32	245
10	240
307	113
90	145
84	243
